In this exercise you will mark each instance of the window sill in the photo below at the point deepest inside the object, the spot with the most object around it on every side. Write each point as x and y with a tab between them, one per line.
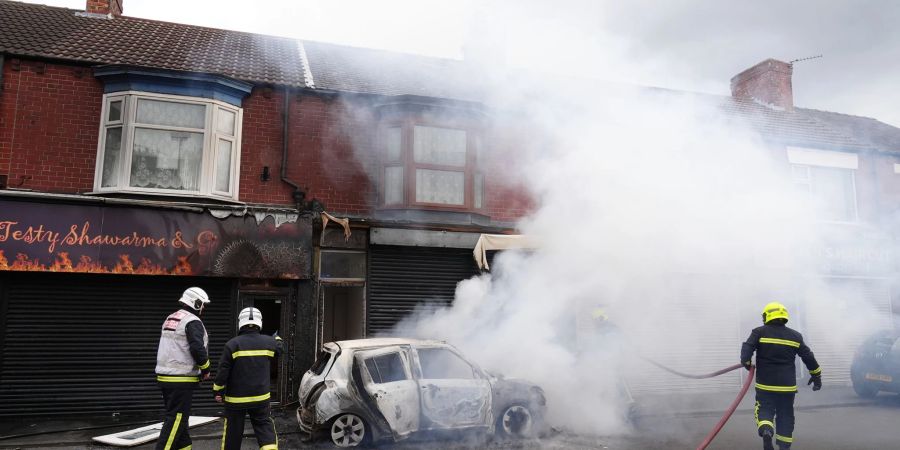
166	197
442	216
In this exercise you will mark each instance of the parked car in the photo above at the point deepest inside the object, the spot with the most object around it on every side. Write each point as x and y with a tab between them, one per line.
876	365
371	390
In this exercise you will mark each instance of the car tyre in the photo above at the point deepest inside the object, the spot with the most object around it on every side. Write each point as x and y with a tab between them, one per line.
348	430
516	421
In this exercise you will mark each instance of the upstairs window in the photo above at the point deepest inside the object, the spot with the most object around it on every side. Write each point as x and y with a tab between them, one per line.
168	145
426	165
829	178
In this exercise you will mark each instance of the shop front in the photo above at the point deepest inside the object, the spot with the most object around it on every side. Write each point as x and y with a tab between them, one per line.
85	285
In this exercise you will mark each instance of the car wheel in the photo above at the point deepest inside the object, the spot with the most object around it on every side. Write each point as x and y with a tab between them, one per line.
515	421
865	389
348	430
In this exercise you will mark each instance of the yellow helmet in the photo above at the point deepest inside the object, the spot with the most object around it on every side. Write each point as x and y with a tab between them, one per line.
599	314
773	311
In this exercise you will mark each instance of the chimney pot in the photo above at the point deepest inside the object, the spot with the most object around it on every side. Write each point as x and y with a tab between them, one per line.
768	82
113	7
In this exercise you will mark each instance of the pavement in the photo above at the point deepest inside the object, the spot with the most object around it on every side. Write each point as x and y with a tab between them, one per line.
76	432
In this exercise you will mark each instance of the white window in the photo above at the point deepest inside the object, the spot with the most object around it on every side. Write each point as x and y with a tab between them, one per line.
168	145
828	177
831	189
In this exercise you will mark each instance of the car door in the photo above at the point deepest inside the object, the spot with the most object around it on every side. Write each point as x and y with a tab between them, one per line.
454	394
387	379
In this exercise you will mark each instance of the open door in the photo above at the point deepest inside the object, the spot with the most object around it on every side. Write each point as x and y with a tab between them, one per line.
454	393
387	379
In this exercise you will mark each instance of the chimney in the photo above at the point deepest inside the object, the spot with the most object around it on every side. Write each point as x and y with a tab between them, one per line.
113	7
768	82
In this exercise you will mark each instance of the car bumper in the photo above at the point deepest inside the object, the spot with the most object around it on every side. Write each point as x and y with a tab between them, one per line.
306	421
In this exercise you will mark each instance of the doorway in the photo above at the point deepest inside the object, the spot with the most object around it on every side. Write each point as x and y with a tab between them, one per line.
345	313
270	305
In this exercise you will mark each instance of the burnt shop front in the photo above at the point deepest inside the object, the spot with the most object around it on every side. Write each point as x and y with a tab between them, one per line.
85	286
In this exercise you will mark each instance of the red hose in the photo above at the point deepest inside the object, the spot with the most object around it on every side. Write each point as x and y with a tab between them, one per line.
712	434
696	377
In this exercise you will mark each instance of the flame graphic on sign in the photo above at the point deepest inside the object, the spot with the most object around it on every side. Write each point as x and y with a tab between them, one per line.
87	265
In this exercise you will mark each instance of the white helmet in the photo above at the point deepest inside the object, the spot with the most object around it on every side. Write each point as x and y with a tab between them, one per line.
249	316
195	298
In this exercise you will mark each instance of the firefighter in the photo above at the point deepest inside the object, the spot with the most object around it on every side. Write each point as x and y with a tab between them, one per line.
604	345
776	348
182	360
242	382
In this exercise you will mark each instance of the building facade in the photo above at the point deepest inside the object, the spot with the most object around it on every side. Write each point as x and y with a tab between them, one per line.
139	157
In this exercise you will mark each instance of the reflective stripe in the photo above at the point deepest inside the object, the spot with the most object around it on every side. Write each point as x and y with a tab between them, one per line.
269	447
176	379
763	423
173	431
224	432
779	341
817	371
257	398
766	387
216	387
784	438
240	353
186	448
205	365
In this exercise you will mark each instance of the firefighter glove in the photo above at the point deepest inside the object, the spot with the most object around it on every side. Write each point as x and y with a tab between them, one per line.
816	382
747	365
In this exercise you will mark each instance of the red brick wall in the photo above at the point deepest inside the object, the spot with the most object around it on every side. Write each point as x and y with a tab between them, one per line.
49	122
48	126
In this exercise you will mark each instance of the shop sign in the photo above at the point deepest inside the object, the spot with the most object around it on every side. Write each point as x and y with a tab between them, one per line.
128	240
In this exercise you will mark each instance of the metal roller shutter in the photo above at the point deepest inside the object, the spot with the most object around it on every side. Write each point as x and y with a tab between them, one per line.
839	317
699	331
402	279
86	344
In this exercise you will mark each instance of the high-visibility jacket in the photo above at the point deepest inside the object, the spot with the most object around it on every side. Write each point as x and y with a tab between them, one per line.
777	347
244	374
182	354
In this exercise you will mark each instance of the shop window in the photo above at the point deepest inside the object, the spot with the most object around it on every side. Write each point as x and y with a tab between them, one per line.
342	265
427	165
168	145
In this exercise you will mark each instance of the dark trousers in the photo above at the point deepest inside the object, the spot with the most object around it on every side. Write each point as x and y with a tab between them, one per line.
775	410
263	427
174	434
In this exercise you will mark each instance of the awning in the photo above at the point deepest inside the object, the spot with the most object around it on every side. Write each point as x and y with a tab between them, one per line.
499	242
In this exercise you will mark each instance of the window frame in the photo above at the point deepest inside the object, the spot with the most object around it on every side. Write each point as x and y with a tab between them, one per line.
472	169
808	182
211	138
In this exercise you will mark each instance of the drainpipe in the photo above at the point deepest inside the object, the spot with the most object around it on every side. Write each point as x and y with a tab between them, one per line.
298	195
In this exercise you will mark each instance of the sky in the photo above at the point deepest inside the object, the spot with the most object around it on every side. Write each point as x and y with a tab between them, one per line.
693	45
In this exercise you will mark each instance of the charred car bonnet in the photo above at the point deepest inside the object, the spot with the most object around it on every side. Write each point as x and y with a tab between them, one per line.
369	390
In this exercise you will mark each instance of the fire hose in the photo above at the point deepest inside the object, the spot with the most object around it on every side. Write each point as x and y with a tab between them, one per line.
734	404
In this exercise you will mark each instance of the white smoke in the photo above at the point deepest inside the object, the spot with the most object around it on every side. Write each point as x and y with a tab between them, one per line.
672	215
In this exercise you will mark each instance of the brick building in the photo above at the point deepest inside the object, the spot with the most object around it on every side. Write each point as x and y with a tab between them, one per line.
140	157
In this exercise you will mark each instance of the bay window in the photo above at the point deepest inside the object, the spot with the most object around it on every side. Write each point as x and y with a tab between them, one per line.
168	145
429	165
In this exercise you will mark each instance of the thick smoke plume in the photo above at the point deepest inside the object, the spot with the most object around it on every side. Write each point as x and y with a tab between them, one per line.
672	216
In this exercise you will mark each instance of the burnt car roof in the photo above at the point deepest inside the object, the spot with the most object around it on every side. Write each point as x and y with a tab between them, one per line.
384	342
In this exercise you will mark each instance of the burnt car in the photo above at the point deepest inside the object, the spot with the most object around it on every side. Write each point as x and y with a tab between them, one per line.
876	364
370	390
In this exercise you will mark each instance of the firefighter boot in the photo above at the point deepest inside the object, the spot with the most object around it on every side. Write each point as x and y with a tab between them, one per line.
767	439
